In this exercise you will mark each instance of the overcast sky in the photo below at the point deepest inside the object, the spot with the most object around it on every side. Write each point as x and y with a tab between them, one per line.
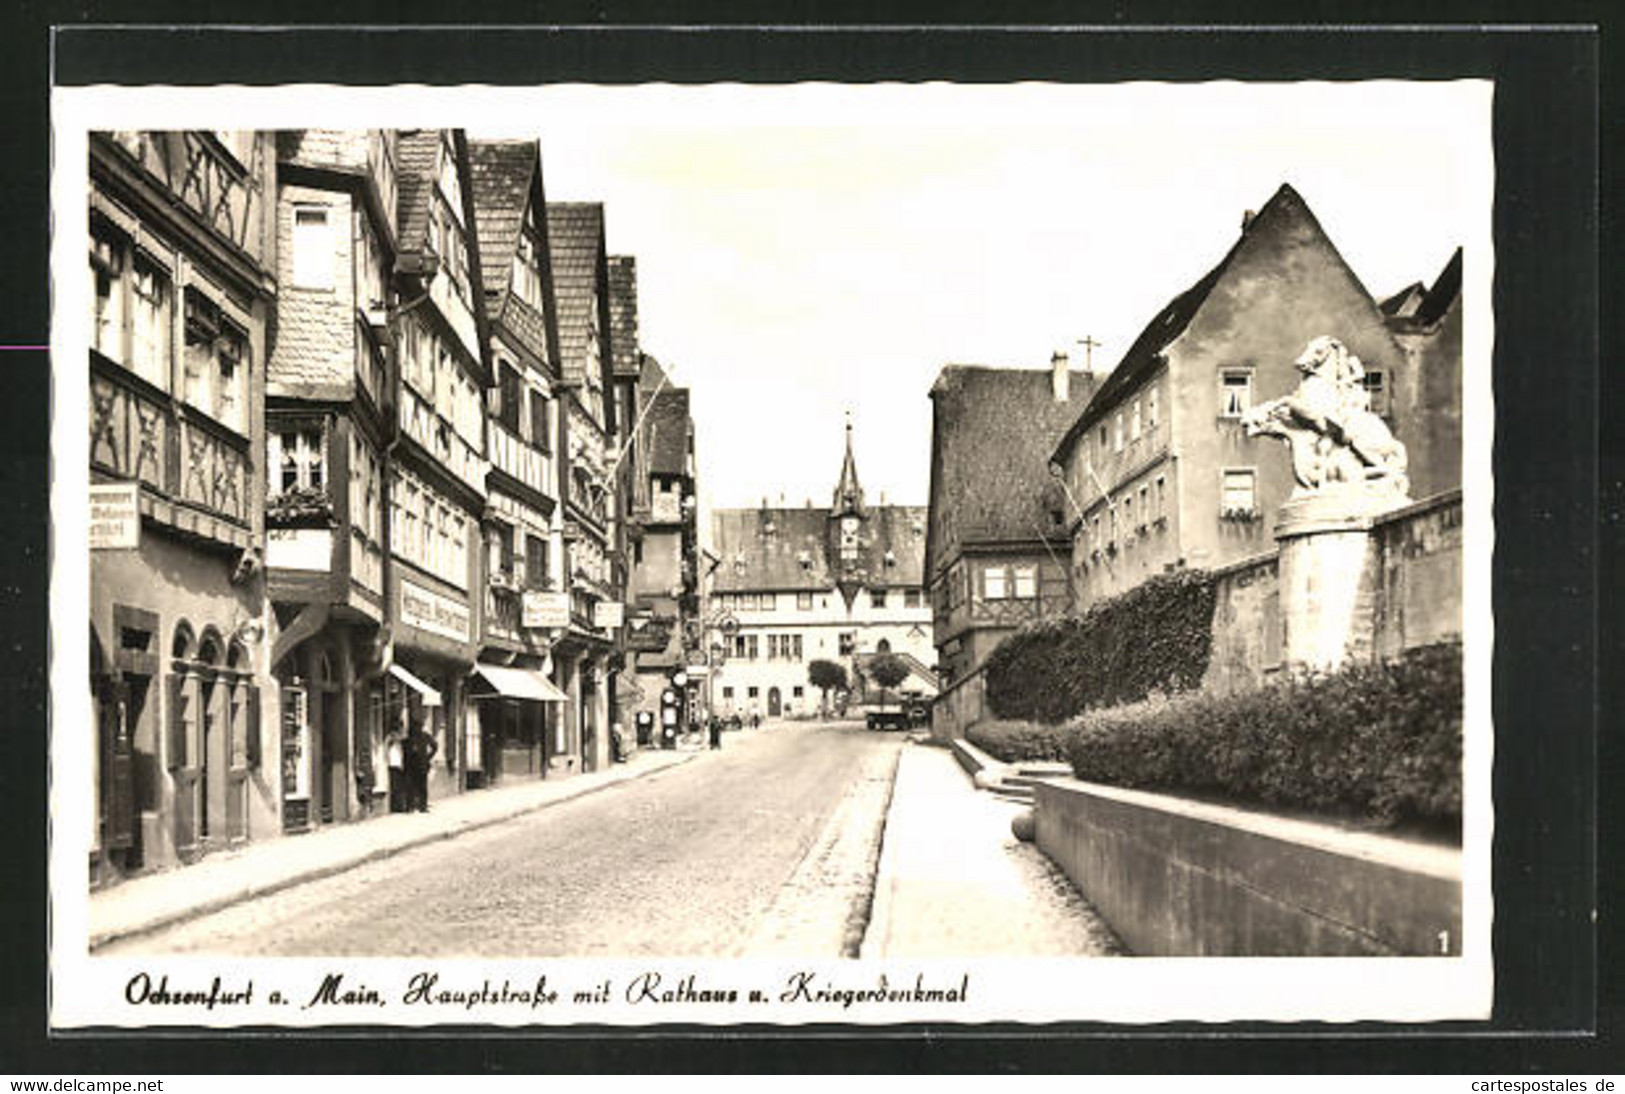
811	249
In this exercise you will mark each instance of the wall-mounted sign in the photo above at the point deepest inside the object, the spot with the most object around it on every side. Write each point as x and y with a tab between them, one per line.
608	614
115	516
429	611
544	611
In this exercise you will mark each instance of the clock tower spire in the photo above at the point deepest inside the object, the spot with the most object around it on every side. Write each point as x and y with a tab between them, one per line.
847	519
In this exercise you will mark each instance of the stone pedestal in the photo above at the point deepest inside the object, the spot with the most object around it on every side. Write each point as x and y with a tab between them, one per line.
1328	582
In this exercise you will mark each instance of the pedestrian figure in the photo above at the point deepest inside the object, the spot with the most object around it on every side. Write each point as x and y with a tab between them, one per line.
716	732
420	753
755	719
395	759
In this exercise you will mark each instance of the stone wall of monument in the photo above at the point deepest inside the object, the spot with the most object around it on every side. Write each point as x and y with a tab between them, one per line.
1409	595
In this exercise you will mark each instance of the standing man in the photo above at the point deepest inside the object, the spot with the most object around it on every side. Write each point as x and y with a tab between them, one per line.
420	753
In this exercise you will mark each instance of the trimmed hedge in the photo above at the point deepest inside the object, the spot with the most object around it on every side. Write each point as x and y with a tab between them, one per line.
1156	637
1381	740
1013	742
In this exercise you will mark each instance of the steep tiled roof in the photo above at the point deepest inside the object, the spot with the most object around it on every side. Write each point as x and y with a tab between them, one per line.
1403	302
666	428
417	151
1145	355
992	435
623	315
796	555
1444	292
575	232
501	172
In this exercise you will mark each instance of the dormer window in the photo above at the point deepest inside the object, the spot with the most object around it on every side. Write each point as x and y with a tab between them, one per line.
805	559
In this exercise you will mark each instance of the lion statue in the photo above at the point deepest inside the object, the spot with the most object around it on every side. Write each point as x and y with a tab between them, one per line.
1328	424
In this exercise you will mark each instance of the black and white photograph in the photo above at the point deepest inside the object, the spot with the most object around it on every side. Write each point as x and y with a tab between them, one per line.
724	554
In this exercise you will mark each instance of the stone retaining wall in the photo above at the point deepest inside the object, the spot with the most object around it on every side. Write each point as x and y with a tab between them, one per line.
1179	878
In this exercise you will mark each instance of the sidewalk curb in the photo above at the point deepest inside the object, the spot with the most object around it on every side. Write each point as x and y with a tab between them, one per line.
252	891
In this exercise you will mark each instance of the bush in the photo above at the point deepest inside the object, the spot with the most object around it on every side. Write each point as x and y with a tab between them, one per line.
1155	637
1379	740
1013	742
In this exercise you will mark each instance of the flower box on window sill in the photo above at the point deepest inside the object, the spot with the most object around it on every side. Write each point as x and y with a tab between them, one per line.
1240	516
302	507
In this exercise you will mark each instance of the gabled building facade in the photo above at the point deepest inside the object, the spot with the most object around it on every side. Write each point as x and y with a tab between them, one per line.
998	550
1159	462
326	490
663	624
802	584
1427	324
522	727
437	468
182	264
592	571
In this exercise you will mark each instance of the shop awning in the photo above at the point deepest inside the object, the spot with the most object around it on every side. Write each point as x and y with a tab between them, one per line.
431	697
520	684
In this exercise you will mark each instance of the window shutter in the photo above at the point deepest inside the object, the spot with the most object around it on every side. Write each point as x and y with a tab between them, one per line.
252	729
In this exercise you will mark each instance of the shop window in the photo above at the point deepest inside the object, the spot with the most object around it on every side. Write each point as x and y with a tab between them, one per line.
1236	392
312	248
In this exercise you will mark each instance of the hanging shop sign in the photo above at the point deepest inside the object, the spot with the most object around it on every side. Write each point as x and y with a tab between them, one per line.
545	611
429	611
115	516
608	614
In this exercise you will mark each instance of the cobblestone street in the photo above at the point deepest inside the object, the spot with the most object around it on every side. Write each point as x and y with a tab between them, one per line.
687	862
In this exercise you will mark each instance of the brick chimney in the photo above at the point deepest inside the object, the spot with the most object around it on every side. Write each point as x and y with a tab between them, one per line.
1060	379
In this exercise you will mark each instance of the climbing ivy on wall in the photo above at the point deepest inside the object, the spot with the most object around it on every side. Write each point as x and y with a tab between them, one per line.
1156	637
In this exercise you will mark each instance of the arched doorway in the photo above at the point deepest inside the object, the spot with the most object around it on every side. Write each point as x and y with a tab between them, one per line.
883	646
775	702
